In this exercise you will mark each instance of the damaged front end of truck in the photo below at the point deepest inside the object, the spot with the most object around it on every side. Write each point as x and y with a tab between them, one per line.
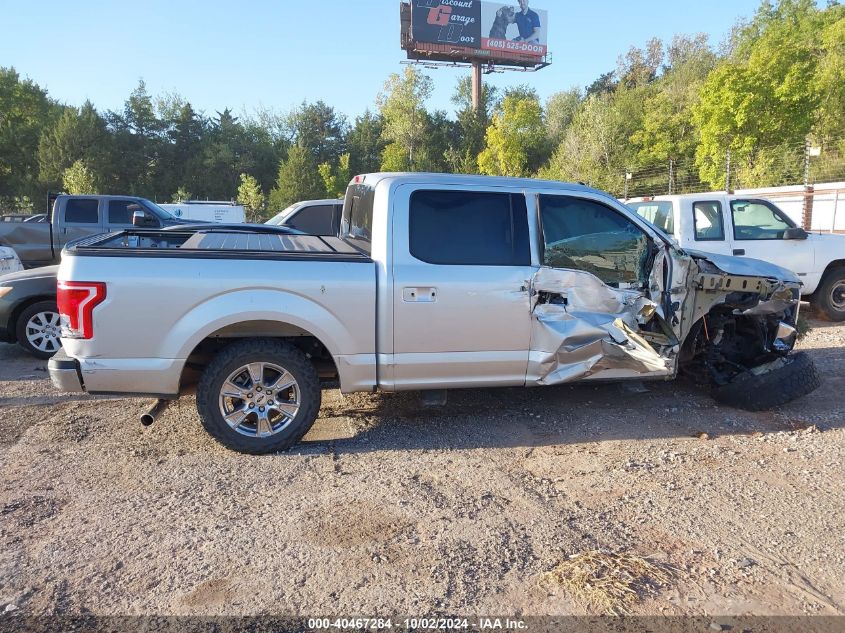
725	322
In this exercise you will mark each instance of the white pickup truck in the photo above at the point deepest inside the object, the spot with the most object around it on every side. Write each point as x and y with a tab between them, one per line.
750	227
435	282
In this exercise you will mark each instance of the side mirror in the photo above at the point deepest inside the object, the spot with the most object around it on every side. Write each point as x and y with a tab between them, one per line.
795	233
142	219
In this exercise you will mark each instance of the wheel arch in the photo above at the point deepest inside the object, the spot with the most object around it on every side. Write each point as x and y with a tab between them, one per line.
837	263
263	314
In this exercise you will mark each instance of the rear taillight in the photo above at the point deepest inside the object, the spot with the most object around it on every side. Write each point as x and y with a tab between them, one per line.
77	300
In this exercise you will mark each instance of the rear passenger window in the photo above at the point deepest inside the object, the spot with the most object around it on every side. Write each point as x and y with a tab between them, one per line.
81	211
316	220
119	212
709	225
469	228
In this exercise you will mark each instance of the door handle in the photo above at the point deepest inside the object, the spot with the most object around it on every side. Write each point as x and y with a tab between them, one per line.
739	251
419	295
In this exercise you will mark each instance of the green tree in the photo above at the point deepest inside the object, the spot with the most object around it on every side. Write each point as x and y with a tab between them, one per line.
336	179
764	96
561	108
596	148
298	180
77	135
25	112
406	120
181	195
79	180
365	144
320	129
668	132
136	145
471	126
830	77
514	139
184	140
252	198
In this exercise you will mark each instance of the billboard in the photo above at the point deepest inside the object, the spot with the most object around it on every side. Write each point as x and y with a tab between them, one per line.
484	27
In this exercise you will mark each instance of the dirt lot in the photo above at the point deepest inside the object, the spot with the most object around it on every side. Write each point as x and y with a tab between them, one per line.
392	509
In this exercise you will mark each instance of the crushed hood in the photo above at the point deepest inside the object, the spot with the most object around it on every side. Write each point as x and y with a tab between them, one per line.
746	266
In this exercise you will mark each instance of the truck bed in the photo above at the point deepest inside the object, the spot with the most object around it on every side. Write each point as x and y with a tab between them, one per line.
215	243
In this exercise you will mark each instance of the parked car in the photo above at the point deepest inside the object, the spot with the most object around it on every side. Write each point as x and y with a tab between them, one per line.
749	227
314	217
73	217
28	312
9	261
435	282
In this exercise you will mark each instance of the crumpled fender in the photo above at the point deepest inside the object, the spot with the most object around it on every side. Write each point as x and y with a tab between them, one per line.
589	331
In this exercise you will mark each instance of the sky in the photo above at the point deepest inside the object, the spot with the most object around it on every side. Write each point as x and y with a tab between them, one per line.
276	54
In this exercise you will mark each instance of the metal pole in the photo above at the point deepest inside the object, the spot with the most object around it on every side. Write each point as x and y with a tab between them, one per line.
728	173
807	219
835	209
671	176
806	163
476	86
625	178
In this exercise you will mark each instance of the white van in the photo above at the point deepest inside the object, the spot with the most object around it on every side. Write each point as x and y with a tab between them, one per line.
208	211
753	227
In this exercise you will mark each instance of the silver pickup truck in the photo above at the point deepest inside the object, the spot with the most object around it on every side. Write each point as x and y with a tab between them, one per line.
435	282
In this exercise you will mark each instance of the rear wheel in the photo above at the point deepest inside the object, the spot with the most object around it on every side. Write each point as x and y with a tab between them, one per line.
763	388
259	396
830	295
38	329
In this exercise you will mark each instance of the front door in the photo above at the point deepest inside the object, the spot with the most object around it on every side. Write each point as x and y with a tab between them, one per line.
462	269
758	232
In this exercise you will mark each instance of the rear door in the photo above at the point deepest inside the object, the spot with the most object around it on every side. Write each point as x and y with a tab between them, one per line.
706	225
80	217
462	268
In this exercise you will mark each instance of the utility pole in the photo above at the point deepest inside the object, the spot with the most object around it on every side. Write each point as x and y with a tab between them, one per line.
476	86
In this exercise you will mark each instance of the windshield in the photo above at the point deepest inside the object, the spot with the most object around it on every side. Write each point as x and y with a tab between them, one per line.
281	217
157	210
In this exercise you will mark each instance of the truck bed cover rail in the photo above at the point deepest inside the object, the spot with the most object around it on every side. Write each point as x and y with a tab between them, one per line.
214	243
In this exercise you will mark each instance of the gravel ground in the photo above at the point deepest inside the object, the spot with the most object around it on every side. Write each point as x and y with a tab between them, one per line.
388	508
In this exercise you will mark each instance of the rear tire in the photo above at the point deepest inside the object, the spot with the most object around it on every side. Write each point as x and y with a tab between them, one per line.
37	329
259	396
797	377
830	295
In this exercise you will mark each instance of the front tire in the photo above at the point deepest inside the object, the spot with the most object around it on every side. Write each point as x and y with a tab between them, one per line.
793	377
38	331
259	396
830	295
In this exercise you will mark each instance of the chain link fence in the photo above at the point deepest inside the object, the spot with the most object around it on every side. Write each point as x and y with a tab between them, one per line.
801	164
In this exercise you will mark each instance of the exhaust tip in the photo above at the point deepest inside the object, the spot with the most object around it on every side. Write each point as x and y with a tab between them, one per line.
148	417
